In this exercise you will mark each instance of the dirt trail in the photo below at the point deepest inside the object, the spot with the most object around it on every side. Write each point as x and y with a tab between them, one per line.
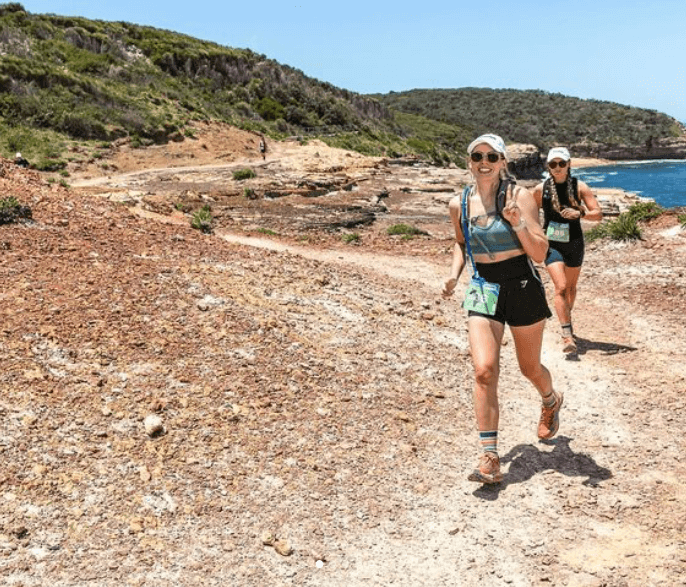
570	511
565	511
316	403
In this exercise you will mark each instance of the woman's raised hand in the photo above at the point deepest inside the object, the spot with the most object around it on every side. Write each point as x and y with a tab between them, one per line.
511	212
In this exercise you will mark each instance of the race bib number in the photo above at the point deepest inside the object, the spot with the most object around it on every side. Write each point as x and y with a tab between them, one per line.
481	296
558	232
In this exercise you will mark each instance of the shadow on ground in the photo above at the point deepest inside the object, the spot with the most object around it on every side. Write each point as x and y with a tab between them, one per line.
527	460
607	348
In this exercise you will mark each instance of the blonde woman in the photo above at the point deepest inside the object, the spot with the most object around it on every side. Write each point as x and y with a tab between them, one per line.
498	233
565	201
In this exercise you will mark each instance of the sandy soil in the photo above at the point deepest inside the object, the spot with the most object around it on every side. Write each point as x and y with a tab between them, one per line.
313	399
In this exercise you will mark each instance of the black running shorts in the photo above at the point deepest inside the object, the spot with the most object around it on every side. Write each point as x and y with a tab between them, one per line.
521	301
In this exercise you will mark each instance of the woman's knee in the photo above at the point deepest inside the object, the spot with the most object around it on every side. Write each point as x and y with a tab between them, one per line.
561	289
531	370
486	374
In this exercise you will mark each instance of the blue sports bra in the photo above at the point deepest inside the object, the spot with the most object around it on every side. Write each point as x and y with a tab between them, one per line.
496	236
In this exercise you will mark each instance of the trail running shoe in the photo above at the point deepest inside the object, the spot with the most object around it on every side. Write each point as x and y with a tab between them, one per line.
568	345
550	418
488	470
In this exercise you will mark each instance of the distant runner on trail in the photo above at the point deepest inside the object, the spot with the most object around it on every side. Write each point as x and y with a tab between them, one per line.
497	230
565	201
20	160
263	148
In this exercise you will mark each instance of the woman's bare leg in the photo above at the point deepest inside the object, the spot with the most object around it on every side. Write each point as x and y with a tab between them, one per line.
485	339
528	342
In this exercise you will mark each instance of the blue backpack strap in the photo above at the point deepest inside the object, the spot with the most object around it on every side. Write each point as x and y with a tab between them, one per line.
465	227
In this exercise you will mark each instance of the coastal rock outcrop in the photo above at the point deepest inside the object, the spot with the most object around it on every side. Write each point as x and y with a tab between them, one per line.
674	148
526	161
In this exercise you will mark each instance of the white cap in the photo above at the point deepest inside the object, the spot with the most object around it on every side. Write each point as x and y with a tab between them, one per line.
493	140
558	153
18	155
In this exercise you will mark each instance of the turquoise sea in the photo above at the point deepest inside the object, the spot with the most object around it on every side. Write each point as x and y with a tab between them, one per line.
664	181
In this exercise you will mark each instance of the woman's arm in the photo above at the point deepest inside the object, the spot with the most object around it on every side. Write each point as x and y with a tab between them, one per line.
459	249
521	211
537	193
592	209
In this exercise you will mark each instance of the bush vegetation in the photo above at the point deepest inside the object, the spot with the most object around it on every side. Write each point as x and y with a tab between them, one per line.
626	226
404	230
351	238
11	210
241	174
202	219
71	79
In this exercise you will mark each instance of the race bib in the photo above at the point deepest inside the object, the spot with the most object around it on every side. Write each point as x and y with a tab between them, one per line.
481	296
558	232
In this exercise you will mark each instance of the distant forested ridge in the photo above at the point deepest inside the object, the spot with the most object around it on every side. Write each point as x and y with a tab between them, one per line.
542	119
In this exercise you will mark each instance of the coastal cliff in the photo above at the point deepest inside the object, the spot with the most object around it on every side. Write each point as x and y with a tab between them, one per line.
666	148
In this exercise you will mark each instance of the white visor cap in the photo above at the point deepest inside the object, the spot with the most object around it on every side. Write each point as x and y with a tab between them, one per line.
558	153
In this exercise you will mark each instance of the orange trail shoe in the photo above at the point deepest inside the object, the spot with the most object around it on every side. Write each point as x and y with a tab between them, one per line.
568	345
550	418
488	470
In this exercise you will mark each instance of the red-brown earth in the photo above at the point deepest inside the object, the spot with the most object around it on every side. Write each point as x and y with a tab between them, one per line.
312	387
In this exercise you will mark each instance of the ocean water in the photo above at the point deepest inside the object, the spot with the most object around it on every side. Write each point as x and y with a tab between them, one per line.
664	181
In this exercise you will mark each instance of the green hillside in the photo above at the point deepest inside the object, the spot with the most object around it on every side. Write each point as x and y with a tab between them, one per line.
65	79
537	117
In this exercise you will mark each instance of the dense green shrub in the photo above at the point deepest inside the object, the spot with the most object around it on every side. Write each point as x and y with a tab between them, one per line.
269	109
351	238
202	219
626	225
536	117
241	174
404	229
11	210
645	211
266	231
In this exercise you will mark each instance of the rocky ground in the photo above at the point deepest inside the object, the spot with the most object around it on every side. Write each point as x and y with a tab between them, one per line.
287	400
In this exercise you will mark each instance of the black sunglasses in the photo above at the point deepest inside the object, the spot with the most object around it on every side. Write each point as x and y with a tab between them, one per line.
554	164
492	156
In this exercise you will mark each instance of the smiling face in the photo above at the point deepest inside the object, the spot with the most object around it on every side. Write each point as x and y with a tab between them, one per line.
490	164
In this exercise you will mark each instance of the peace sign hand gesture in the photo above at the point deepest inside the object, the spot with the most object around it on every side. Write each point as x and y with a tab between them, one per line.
511	212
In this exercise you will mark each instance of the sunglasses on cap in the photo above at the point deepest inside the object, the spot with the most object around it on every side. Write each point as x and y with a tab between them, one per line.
554	164
491	156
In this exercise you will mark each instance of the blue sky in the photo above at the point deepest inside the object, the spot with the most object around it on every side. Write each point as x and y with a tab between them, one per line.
628	52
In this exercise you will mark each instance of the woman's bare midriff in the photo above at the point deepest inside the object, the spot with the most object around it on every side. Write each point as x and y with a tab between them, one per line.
497	257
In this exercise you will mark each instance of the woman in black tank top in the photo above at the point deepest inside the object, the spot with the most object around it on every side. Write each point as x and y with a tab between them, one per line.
565	201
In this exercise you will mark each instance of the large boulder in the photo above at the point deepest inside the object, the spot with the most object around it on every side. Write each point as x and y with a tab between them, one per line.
526	161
